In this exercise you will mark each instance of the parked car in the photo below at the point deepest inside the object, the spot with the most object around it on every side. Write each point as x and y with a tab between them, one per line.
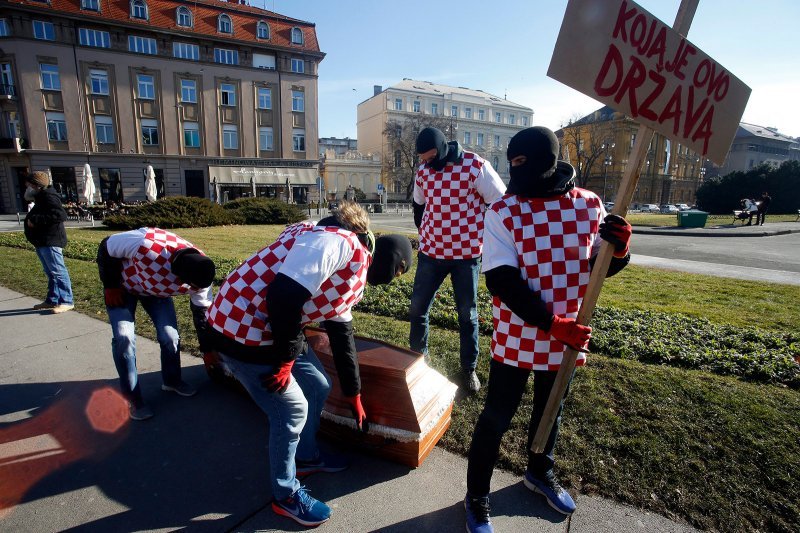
668	209
649	208
682	207
609	206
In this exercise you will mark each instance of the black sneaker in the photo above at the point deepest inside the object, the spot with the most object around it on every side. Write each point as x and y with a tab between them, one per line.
470	382
478	520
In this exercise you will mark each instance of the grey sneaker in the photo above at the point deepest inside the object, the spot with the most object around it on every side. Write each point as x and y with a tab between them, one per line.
182	388
143	412
62	308
470	382
44	305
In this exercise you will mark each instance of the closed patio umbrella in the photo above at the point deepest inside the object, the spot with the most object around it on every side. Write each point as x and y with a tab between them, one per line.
89	189
150	190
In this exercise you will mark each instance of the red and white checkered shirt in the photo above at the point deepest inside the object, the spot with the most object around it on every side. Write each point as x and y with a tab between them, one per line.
147	270
553	240
239	310
455	199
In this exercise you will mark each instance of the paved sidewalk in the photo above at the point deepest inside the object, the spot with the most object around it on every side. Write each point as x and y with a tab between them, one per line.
724	230
71	460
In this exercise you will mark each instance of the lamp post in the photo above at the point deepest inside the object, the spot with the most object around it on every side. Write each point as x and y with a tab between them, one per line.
607	162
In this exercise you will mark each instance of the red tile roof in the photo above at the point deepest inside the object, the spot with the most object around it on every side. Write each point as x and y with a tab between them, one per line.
205	14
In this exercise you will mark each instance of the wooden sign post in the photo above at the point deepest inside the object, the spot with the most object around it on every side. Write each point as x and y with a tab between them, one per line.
626	58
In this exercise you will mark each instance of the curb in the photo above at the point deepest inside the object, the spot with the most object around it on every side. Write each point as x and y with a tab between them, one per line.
713	231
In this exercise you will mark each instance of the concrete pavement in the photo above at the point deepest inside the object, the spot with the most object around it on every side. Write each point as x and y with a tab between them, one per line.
71	460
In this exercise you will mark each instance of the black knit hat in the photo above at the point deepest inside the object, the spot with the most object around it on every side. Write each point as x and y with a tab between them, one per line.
430	138
393	254
193	268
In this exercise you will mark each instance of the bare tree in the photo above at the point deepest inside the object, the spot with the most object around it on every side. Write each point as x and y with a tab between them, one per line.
585	143
401	135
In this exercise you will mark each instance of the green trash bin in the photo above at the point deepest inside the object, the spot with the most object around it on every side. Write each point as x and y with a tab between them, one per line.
692	218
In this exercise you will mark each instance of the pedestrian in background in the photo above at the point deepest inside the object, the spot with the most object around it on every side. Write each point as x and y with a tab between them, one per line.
44	229
451	191
763	207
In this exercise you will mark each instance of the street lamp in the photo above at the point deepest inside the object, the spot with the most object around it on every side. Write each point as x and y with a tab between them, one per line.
607	162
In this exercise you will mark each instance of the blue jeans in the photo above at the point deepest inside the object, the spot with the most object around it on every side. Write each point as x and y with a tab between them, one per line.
506	387
294	415
59	286
429	277
123	342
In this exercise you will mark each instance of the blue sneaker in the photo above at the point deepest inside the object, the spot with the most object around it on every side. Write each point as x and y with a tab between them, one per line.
323	463
303	509
478	515
558	498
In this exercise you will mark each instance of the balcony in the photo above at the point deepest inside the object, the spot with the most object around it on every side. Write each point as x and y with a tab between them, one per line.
11	145
8	91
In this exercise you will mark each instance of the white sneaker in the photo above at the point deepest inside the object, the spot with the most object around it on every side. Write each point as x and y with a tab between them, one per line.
62	308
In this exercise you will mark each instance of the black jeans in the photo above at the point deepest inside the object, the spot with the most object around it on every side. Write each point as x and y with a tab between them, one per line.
505	390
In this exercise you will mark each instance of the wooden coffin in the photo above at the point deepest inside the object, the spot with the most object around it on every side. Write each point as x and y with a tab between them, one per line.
408	404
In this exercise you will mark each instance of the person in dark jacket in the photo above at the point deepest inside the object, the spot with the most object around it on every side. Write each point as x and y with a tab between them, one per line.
44	229
763	207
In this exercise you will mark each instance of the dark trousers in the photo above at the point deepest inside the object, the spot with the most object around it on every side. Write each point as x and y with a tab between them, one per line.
505	390
761	216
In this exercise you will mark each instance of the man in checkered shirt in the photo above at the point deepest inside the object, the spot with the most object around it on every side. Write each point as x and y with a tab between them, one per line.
149	266
451	191
541	240
309	274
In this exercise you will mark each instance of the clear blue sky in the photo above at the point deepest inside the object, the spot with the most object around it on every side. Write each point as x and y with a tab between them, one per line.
504	48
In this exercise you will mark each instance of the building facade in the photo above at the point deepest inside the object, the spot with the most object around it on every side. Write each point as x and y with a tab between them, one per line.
339	146
481	122
219	98
754	145
352	170
599	145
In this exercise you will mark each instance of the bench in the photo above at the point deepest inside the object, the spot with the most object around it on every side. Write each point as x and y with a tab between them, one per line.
737	215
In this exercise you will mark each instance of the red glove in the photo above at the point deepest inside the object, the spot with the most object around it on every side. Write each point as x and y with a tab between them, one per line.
615	230
358	412
568	331
115	297
279	380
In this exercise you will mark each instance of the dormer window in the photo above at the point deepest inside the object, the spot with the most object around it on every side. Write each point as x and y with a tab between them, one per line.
90	5
224	24
297	36
183	17
139	9
262	30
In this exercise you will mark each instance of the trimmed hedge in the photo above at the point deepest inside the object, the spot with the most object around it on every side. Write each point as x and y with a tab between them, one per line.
173	212
265	211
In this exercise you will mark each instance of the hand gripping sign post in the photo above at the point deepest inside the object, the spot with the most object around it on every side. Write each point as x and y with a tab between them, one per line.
621	55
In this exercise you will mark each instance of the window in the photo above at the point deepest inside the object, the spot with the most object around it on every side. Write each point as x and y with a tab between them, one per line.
481	114
398	104
104	129
189	91
512	119
633	139
183	17
50	78
149	132
224	24
434	109
4	29
146	86
262	30
398	159
264	98
56	126
298	101
264	61
44	30
138	9
467	137
265	139
497	141
142	45
299	140
416	106
7	80
495	162
297	36
467	112
479	139
94	38
186	51
498	116
524	120
227	94
230	137
90	5
98	79
191	135
298	65
225	56
453	110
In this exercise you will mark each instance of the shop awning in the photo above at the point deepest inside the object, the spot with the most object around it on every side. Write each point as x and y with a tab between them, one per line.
263	175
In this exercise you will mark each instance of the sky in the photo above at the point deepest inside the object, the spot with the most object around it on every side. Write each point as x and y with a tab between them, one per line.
504	48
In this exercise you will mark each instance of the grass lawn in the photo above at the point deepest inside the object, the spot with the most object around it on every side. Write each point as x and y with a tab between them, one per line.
656	219
718	452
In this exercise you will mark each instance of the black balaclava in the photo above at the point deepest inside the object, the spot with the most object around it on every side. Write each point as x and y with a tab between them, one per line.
392	255
430	138
192	267
542	175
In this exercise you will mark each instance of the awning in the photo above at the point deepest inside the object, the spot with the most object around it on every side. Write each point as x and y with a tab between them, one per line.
263	175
